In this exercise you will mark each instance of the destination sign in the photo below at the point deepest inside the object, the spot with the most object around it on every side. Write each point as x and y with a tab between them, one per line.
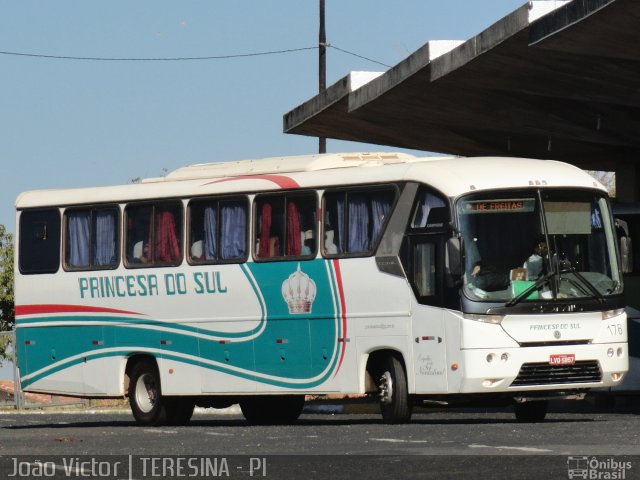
498	206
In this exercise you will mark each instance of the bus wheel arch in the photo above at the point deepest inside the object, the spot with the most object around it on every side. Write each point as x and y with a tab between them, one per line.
130	362
386	372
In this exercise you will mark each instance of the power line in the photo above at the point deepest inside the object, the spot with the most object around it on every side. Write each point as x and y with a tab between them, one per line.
156	59
359	56
183	59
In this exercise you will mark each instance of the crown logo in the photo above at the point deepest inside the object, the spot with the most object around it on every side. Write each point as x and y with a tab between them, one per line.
299	291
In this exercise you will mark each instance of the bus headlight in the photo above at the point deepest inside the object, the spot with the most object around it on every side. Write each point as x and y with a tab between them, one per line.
495	319
612	313
610	353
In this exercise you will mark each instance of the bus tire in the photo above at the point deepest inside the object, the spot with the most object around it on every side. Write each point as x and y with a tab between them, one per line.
145	395
395	404
272	409
179	410
531	412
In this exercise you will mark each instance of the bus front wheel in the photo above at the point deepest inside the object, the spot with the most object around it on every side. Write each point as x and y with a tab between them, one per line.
395	404
145	396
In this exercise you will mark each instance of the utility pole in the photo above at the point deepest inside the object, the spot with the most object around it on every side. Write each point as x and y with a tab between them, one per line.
322	69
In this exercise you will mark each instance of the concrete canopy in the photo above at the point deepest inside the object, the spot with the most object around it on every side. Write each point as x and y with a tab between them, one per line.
543	82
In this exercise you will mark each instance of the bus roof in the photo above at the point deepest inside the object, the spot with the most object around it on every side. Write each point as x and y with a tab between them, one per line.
452	176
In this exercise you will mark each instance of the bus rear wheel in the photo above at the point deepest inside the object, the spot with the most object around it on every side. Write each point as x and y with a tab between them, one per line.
272	409
395	404
145	396
531	412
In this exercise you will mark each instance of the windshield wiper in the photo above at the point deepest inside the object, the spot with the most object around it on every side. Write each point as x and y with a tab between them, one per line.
586	283
524	294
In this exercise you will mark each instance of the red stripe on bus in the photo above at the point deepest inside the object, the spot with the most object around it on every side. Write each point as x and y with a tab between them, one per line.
343	309
56	308
280	180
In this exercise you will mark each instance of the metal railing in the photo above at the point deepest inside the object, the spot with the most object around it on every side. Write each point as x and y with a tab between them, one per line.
10	393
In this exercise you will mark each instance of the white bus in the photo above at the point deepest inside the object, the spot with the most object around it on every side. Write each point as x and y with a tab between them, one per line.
260	282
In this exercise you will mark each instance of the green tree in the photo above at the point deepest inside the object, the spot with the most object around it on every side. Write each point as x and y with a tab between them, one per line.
7	310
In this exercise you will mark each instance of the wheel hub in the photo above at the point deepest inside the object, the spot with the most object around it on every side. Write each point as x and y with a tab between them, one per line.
146	393
386	388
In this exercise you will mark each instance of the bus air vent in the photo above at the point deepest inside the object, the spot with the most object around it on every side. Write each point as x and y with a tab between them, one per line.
554	344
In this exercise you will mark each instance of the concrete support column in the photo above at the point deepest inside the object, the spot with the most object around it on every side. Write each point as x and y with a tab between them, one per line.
627	183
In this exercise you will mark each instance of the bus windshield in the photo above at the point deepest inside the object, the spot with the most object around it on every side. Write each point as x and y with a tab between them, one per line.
538	245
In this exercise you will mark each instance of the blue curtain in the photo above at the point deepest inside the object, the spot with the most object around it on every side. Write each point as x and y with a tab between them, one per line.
233	231
210	241
341	233
359	240
105	249
79	238
380	205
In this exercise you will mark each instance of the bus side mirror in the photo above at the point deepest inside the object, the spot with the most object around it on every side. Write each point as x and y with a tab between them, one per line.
453	258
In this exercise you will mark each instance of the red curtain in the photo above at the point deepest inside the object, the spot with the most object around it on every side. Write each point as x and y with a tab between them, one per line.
265	230
294	242
167	248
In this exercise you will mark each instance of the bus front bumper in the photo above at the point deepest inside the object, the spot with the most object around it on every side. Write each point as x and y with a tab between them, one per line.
555	367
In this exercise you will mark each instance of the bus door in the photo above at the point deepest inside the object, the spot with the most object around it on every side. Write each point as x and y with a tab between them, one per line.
423	258
428	330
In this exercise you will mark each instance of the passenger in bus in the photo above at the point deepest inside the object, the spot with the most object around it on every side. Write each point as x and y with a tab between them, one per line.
483	275
197	250
274	247
137	237
535	263
329	245
473	262
308	244
141	253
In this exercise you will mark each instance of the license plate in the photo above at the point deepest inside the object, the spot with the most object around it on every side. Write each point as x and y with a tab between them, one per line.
562	359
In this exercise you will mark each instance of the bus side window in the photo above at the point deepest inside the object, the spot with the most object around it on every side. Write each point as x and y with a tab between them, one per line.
154	234
301	226
429	211
354	220
424	247
39	241
91	236
218	231
286	226
424	269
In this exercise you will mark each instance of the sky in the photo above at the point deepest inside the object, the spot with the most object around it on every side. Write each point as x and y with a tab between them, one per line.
70	123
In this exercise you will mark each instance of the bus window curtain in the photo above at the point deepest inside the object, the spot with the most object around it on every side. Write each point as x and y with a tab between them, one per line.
265	230
167	247
105	238
341	233
380	205
294	241
234	230
210	228
79	239
359	240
